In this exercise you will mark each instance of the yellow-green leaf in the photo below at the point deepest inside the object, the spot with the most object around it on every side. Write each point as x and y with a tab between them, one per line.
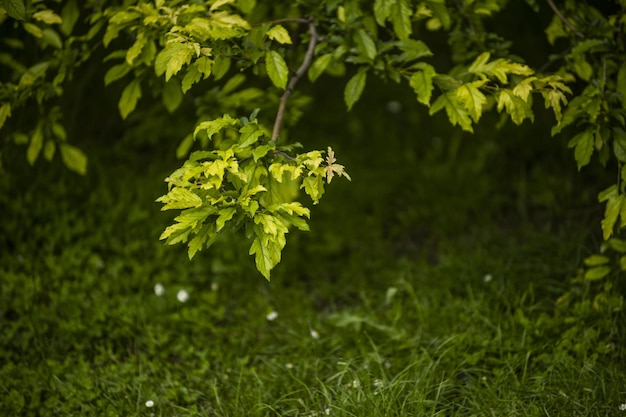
422	83
365	44
319	65
613	209
472	98
172	58
597	273
583	143
48	17
401	19
279	34
456	111
74	158
36	143
130	97
5	113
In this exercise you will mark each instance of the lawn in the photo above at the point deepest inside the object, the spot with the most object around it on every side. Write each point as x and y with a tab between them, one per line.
431	293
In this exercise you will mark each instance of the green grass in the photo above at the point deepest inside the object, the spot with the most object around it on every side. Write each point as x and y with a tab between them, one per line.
390	307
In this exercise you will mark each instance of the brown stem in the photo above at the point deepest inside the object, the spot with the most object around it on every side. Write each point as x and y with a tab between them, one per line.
564	19
308	57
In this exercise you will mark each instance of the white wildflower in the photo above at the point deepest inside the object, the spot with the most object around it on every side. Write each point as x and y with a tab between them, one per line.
487	278
378	383
149	403
622	407
182	296
289	365
271	316
159	289
354	384
314	334
327	411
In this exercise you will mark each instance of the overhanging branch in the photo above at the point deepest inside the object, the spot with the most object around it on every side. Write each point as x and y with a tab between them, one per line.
308	57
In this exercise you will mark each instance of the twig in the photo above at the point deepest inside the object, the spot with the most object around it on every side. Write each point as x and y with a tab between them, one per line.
285	20
564	19
308	57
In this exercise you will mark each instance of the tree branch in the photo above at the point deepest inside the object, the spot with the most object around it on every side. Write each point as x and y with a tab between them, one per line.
308	57
564	19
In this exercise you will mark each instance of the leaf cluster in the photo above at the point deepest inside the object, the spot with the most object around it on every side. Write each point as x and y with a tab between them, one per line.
249	184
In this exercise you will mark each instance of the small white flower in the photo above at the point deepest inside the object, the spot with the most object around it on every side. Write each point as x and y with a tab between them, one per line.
314	334
159	289
289	365
354	384
149	403
487	278
271	316
377	383
327	411
622	407
182	296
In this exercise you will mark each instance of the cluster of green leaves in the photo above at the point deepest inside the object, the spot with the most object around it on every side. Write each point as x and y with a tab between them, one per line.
39	55
249	184
596	118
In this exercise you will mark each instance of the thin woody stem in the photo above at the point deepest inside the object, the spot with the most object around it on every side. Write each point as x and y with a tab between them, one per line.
308	57
563	18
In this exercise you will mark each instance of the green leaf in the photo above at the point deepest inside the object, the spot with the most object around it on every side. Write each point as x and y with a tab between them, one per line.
260	151
172	58
583	143
613	209
516	107
172	95
36	143
135	50
74	158
354	88
179	198
279	34
319	65
401	19
33	29
48	17
413	50
472	98
314	187
116	72
15	8
382	10
276	69
250	134
49	149
185	145
5	113
213	126
596	260
597	273
130	97
224	216
69	14
456	111
422	83
365	44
